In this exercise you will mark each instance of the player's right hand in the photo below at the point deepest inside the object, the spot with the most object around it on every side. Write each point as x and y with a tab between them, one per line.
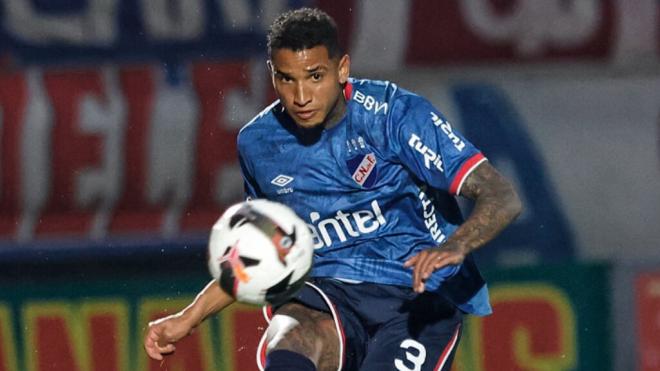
163	333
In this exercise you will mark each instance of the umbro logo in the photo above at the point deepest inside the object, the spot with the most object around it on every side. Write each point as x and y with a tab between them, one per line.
282	180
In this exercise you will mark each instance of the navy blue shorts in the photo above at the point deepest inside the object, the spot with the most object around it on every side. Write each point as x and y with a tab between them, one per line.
386	327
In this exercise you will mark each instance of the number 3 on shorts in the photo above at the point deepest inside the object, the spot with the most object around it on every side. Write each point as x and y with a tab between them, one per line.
417	356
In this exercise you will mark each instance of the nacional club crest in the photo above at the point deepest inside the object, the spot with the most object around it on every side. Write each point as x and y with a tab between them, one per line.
363	169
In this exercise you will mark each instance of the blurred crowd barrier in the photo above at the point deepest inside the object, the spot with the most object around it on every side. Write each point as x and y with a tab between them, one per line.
98	323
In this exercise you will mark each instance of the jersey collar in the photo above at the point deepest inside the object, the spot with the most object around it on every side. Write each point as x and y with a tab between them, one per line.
348	91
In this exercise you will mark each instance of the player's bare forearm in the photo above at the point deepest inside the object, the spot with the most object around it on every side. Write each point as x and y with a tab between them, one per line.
163	333
209	301
496	205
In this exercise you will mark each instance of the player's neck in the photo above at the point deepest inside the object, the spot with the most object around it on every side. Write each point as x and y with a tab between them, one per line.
336	114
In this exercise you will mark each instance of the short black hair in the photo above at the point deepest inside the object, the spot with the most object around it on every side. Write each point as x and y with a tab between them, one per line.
304	28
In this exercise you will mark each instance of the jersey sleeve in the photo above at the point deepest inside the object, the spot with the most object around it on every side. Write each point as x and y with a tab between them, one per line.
426	143
250	187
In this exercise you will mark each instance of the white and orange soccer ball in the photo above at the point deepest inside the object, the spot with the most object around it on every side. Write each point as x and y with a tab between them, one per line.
260	252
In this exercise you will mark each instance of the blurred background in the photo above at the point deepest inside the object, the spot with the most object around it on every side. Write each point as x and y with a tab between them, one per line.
117	153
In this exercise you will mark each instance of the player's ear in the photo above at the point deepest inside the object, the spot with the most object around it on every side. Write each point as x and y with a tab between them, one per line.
344	68
271	71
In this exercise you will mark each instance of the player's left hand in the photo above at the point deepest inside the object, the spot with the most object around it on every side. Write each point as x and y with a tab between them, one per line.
428	261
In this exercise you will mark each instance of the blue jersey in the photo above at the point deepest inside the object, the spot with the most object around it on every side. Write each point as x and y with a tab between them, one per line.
376	188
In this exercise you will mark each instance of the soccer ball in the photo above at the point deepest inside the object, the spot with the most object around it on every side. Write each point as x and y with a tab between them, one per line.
260	252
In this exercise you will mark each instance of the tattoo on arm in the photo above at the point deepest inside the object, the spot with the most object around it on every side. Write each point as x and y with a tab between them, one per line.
315	337
496	206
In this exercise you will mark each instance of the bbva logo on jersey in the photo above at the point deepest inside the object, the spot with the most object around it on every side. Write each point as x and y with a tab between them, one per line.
363	169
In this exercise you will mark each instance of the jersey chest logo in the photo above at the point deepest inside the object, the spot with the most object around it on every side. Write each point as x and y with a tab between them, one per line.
363	169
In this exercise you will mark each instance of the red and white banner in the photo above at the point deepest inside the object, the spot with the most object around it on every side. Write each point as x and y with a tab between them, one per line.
149	149
121	150
383	35
131	150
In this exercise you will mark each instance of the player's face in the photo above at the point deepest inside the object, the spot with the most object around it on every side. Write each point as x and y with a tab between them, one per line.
309	84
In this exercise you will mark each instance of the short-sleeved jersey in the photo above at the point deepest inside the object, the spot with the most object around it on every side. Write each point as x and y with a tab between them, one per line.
375	189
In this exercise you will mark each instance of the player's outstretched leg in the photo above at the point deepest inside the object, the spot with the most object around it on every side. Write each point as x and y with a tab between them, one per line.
301	338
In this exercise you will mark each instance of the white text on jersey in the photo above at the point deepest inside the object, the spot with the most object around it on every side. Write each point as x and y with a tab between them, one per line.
446	128
430	157
429	217
345	225
369	102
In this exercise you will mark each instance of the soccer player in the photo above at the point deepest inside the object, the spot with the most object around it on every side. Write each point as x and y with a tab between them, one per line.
374	169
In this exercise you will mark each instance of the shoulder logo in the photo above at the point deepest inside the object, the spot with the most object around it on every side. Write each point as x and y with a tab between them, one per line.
369	103
449	132
363	169
282	180
430	156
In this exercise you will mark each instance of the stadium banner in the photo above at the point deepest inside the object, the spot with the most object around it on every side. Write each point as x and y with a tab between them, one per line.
425	32
128	154
546	317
